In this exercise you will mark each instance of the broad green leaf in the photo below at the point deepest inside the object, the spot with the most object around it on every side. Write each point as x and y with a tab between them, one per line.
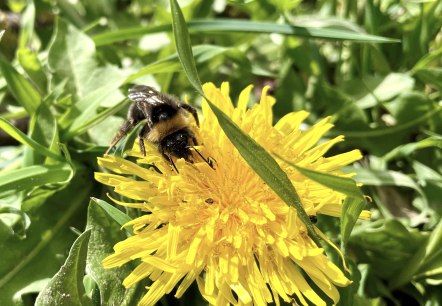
114	213
72	57
393	85
259	160
32	66
105	233
372	177
33	176
431	76
386	245
66	287
425	173
105	92
23	91
409	105
22	138
242	26
38	257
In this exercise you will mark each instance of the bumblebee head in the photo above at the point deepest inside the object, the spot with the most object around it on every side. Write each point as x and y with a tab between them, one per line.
177	144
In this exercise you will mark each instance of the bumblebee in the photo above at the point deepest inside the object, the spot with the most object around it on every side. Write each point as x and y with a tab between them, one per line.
167	124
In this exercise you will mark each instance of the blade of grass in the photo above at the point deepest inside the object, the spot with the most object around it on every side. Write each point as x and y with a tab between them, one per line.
353	204
351	209
22	138
25	94
81	126
378	132
33	176
184	46
258	159
171	63
241	26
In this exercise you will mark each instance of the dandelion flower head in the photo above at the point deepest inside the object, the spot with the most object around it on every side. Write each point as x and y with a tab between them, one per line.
225	229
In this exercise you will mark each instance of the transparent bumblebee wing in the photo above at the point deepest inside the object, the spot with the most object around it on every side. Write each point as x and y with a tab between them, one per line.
146	94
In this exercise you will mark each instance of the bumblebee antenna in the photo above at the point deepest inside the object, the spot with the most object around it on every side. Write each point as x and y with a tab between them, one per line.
209	160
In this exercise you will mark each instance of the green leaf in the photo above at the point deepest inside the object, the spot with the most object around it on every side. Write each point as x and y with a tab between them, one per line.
238	25
71	57
351	209
372	177
386	245
265	166
391	86
25	94
184	46
431	76
431	264
171	63
114	213
341	184
105	91
85	121
35	259
353	204
255	155
33	176
129	33
427	59
242	26
409	148
105	233
22	138
66	287
386	131
32	66
27	25
43	129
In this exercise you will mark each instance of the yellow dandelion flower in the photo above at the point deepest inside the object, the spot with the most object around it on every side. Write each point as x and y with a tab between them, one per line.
225	228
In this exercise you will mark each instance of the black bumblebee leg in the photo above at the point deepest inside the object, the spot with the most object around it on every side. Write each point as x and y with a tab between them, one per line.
191	110
143	132
125	128
169	158
146	109
195	142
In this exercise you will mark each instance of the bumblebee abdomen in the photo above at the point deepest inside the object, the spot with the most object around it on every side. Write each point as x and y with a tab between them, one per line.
163	128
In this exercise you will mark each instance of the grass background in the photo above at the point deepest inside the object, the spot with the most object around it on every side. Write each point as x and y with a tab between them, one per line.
65	68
